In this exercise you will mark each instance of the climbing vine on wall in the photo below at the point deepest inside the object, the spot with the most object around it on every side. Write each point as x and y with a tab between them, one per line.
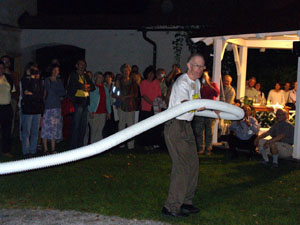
177	46
181	38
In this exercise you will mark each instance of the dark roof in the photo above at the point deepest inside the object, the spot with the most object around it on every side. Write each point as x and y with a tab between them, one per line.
204	17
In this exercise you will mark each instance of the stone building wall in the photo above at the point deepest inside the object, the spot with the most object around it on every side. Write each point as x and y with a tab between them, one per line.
11	10
106	50
10	34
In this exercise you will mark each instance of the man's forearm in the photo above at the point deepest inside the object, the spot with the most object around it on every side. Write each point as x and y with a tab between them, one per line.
277	138
263	135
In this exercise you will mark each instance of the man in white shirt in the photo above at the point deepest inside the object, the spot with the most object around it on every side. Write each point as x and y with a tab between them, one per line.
181	143
276	96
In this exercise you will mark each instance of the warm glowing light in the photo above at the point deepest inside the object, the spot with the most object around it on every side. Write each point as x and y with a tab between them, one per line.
276	106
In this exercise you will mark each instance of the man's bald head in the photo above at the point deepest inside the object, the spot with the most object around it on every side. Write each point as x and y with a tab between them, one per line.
194	55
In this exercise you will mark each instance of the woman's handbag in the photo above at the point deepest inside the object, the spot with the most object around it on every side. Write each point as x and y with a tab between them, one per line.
67	107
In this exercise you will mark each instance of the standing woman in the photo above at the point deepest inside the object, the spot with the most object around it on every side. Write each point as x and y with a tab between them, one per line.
150	90
6	111
52	119
126	97
99	108
111	125
32	107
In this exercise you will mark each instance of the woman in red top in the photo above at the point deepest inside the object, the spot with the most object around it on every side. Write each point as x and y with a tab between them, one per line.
204	126
99	108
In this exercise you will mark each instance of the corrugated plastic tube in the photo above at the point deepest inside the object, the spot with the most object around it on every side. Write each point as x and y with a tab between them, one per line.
227	111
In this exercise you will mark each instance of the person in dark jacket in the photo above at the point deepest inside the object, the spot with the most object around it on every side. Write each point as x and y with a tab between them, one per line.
32	107
79	88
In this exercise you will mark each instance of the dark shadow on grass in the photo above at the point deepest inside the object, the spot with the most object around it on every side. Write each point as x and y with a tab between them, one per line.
250	175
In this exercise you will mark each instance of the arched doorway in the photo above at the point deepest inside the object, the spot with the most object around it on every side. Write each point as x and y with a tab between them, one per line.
67	55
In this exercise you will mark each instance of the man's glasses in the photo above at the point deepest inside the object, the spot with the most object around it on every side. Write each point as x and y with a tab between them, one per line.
199	66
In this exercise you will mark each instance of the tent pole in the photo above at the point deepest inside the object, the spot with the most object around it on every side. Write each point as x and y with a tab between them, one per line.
296	152
243	53
216	76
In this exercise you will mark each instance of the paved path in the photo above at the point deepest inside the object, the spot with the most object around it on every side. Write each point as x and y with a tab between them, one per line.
56	217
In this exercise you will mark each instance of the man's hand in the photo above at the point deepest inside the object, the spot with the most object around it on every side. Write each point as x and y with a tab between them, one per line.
201	109
108	116
206	78
218	113
87	87
27	92
177	71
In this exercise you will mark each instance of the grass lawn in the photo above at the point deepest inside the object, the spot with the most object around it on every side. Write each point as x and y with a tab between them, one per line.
134	184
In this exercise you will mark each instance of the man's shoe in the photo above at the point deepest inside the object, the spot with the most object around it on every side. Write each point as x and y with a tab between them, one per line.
189	209
166	212
275	165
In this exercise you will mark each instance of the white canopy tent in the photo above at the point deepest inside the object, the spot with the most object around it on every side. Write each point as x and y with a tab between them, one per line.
240	45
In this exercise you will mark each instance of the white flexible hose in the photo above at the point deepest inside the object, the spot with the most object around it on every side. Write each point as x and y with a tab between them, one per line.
227	111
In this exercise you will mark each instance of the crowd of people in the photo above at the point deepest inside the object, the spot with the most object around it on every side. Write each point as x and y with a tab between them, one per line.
89	107
98	104
92	106
244	134
283	97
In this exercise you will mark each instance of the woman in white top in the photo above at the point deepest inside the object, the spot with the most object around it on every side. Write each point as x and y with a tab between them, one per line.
276	95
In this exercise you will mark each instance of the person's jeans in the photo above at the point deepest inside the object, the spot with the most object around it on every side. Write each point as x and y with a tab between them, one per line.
203	129
30	132
78	126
